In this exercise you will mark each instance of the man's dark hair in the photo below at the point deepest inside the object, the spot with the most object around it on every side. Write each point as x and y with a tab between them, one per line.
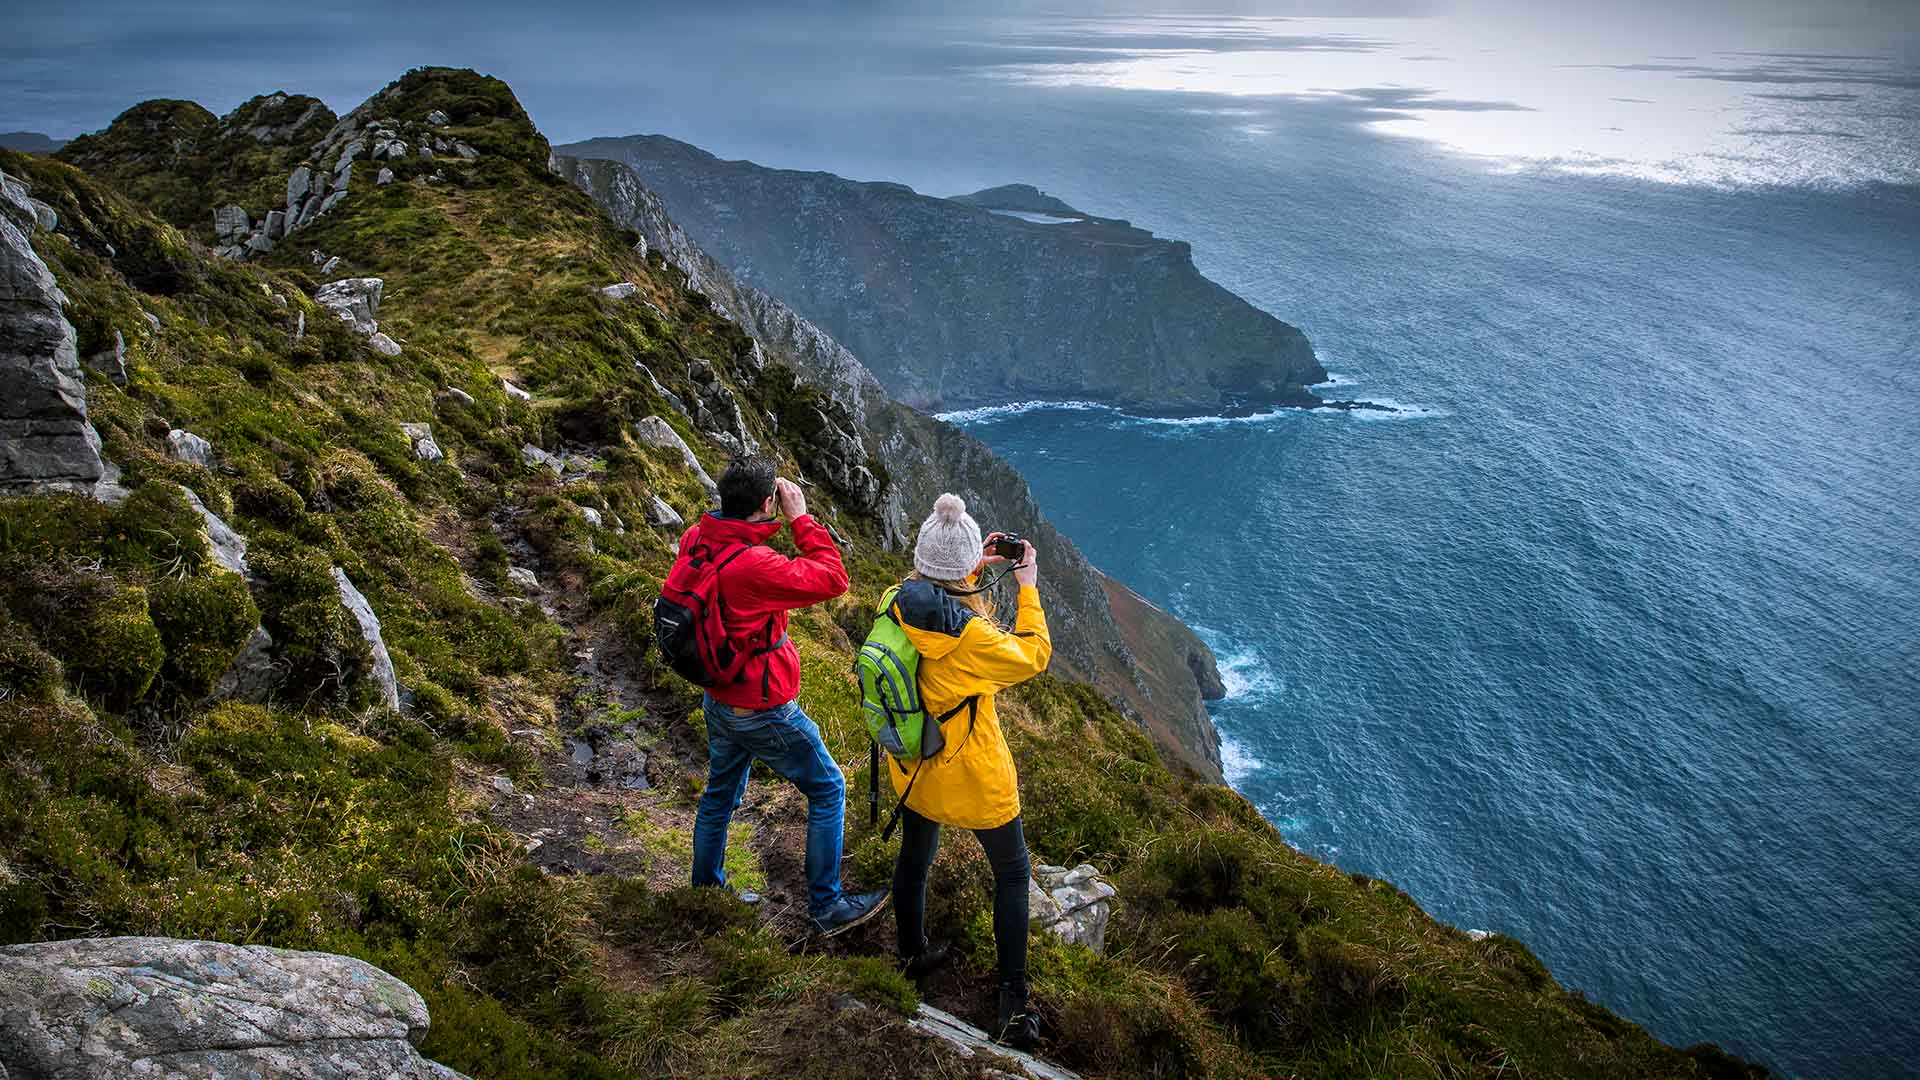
745	485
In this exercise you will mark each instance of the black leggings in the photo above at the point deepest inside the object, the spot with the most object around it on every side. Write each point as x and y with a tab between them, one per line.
1006	849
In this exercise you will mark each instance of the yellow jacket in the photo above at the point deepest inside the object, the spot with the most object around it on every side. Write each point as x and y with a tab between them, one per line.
971	784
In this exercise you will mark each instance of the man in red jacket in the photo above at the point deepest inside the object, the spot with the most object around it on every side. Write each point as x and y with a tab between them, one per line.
756	716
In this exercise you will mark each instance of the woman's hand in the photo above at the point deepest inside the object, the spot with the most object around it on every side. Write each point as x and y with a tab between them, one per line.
1027	570
987	556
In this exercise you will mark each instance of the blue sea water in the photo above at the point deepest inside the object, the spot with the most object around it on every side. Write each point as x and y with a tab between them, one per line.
1612	643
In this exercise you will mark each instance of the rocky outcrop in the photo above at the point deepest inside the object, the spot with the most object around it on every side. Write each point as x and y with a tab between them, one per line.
1074	905
385	686
355	300
660	435
851	432
954	305
143	1006
46	440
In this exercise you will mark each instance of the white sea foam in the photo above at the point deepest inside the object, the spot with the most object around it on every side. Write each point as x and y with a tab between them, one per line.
989	413
1236	761
1246	675
1335	378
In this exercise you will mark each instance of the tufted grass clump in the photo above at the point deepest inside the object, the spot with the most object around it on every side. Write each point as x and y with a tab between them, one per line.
202	623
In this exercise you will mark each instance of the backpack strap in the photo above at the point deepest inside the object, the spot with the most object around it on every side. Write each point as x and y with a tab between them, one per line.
893	819
972	705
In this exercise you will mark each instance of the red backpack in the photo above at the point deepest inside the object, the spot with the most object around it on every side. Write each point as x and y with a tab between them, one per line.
686	617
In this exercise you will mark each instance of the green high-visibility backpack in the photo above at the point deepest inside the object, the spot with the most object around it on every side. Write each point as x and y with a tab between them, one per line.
888	668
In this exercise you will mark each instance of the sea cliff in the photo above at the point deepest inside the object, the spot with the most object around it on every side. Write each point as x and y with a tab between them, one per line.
953	305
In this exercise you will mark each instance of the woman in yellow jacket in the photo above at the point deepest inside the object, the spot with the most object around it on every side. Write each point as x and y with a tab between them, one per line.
964	659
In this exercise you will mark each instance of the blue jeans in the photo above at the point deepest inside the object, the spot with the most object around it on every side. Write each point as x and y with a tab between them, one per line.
789	743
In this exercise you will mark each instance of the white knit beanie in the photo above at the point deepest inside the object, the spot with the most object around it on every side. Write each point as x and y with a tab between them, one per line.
949	545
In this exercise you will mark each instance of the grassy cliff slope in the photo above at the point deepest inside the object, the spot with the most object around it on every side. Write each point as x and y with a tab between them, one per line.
465	840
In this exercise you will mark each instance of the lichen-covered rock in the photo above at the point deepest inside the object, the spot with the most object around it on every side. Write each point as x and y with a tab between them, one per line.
183	445
384	178
134	1006
459	395
421	438
515	392
386	687
659	434
619	290
523	577
716	410
355	300
46	440
1074	905
384	345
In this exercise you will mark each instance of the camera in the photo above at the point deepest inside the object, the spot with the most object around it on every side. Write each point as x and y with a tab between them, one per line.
1012	547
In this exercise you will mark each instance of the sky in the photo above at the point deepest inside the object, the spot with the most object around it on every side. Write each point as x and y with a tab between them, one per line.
1684	90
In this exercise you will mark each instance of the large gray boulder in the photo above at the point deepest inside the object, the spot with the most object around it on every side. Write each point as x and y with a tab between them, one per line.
163	1007
46	440
660	435
382	675
355	300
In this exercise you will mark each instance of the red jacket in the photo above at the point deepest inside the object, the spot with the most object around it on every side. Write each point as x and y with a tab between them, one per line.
757	589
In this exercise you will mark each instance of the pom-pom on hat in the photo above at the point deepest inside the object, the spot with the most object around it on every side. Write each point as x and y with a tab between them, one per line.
949	545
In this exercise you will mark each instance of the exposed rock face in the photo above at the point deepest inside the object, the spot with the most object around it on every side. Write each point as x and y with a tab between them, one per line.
229	547
953	305
659	434
355	300
1074	905
1141	658
136	1006
385	685
46	440
185	446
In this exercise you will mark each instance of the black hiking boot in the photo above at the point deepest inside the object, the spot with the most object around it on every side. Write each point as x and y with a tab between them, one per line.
923	963
1018	1026
849	911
